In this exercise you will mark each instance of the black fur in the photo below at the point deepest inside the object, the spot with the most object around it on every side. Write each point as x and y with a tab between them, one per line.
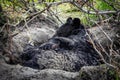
60	39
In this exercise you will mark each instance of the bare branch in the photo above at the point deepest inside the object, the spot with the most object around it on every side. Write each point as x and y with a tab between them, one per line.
52	12
58	3
99	53
103	31
34	14
93	12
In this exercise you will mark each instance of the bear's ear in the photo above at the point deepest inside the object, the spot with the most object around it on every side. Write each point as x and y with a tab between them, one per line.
69	20
76	21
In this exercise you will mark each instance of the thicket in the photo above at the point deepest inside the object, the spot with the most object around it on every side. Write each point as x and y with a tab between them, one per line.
91	12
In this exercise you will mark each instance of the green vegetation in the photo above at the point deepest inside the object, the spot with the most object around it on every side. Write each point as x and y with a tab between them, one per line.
113	74
19	9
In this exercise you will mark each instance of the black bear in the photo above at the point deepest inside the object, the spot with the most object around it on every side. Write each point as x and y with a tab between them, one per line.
61	38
